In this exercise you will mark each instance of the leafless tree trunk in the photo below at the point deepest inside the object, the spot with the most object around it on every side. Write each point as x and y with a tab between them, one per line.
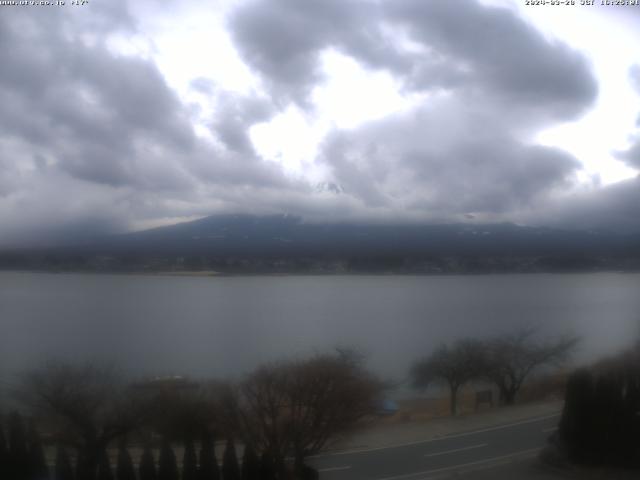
510	359
454	365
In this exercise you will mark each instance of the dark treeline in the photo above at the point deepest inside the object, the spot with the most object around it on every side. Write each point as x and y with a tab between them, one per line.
22	458
21	451
382	263
98	427
600	422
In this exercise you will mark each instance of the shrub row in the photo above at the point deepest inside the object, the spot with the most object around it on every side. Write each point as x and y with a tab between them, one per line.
22	457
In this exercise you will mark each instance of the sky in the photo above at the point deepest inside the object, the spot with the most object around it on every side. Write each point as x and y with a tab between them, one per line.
121	116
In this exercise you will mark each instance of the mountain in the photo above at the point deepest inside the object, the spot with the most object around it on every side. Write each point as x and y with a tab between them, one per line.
287	243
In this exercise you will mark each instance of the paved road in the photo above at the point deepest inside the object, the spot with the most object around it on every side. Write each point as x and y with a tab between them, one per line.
432	458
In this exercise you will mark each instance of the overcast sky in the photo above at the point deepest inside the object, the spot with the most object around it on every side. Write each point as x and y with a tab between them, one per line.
124	115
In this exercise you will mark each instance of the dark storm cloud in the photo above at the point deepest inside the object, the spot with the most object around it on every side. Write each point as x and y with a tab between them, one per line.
436	161
282	40
92	140
463	44
495	176
235	115
467	150
614	207
500	55
491	81
89	110
632	155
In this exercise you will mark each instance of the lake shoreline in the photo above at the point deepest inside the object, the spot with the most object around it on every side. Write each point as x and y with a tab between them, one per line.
218	274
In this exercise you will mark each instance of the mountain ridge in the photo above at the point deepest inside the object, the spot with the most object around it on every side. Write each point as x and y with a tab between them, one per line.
282	242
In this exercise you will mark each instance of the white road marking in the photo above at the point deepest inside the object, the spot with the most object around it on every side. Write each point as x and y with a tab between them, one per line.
460	466
461	449
446	437
334	469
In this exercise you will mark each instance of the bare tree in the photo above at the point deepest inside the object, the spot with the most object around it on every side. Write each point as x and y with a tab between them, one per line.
511	358
88	406
453	365
297	408
328	396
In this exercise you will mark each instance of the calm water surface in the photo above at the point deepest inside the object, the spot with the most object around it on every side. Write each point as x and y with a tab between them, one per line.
225	326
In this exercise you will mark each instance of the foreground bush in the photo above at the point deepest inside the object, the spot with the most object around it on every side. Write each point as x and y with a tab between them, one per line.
600	423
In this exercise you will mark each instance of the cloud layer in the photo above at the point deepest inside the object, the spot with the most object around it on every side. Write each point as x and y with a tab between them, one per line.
95	140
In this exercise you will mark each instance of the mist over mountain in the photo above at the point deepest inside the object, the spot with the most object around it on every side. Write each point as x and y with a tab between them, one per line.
285	243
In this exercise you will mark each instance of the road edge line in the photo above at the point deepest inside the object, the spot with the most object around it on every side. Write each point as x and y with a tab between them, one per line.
437	439
424	475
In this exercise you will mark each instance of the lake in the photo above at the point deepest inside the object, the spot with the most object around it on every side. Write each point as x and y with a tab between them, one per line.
224	326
